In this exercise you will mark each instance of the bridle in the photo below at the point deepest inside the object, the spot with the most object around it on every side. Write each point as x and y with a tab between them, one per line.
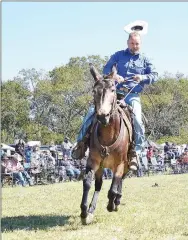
114	103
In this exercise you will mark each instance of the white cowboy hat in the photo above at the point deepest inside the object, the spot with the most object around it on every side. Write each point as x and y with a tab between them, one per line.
137	26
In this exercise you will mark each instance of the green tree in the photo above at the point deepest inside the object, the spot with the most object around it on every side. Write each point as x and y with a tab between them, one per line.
14	109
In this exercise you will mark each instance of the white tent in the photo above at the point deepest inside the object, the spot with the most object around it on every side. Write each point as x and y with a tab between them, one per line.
34	143
7	147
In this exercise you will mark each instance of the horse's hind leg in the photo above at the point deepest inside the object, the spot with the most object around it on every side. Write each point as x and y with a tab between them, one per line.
86	187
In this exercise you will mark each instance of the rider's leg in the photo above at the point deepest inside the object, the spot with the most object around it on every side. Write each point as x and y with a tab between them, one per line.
86	123
133	100
79	150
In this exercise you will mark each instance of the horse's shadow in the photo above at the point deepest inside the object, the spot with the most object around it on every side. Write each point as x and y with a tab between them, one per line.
29	223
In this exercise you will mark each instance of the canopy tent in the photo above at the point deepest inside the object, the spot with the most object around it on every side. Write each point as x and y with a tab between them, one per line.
7	147
34	143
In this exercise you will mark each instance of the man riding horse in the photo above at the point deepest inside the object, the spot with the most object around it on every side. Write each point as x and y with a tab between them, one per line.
134	71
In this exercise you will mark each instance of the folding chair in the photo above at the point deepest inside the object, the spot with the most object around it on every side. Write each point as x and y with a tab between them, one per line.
7	178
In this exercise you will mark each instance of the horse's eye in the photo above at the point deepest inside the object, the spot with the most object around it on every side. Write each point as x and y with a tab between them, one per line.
113	90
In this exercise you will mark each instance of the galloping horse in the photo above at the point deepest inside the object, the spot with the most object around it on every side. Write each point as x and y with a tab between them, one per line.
109	146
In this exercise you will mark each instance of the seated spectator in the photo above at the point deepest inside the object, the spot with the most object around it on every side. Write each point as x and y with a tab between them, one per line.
171	154
12	165
166	147
160	158
47	160
175	151
71	170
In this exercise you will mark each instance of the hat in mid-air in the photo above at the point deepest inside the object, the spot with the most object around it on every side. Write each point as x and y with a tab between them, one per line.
137	26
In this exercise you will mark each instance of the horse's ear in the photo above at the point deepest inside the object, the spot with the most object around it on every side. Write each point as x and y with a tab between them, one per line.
113	72
114	69
94	73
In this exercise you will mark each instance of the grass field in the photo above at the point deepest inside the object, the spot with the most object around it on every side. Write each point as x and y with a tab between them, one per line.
52	212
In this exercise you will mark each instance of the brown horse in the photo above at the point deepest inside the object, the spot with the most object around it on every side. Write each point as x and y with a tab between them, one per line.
109	145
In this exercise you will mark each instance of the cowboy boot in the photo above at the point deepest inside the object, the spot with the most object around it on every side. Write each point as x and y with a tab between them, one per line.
80	149
133	165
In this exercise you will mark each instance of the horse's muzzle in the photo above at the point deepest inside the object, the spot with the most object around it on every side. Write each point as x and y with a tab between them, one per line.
103	119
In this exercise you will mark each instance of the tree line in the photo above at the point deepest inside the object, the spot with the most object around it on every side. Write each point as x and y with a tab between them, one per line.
49	106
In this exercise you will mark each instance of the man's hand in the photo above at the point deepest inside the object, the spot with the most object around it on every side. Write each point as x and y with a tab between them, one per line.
119	78
137	78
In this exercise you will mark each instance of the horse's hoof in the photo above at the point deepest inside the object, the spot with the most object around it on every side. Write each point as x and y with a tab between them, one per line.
88	219
83	221
111	207
116	208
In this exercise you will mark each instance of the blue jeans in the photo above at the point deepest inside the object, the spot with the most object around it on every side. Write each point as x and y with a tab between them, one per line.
133	100
86	123
19	176
23	177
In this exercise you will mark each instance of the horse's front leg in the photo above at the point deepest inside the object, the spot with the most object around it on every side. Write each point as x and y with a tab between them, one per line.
98	185
86	187
118	195
119	190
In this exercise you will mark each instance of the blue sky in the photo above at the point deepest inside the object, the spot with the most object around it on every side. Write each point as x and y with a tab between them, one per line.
46	35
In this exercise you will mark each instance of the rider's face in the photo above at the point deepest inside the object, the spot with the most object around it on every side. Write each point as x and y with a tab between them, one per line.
134	44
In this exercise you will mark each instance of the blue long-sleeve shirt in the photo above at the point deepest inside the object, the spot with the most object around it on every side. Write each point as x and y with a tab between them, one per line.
129	65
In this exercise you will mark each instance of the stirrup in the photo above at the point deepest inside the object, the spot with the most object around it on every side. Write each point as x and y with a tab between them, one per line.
133	164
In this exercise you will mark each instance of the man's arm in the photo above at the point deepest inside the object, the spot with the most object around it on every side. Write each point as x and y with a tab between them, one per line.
150	75
108	67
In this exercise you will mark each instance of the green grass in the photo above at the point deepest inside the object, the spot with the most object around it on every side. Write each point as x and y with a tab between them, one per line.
52	212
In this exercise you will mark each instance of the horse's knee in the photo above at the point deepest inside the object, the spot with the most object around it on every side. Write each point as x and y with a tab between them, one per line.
87	180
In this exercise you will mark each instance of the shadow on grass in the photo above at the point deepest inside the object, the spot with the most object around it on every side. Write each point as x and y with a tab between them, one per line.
29	223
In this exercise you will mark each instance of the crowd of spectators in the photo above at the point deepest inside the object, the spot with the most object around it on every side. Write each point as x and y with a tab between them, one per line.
168	154
29	163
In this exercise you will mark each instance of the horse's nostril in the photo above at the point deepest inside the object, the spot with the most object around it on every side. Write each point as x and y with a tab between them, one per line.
100	118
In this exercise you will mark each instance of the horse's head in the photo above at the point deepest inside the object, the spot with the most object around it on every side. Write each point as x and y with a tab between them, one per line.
104	92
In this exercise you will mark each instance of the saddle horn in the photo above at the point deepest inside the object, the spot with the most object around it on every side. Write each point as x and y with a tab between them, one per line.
94	72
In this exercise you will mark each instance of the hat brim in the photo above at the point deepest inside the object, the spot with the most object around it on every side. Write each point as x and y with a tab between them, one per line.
138	26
